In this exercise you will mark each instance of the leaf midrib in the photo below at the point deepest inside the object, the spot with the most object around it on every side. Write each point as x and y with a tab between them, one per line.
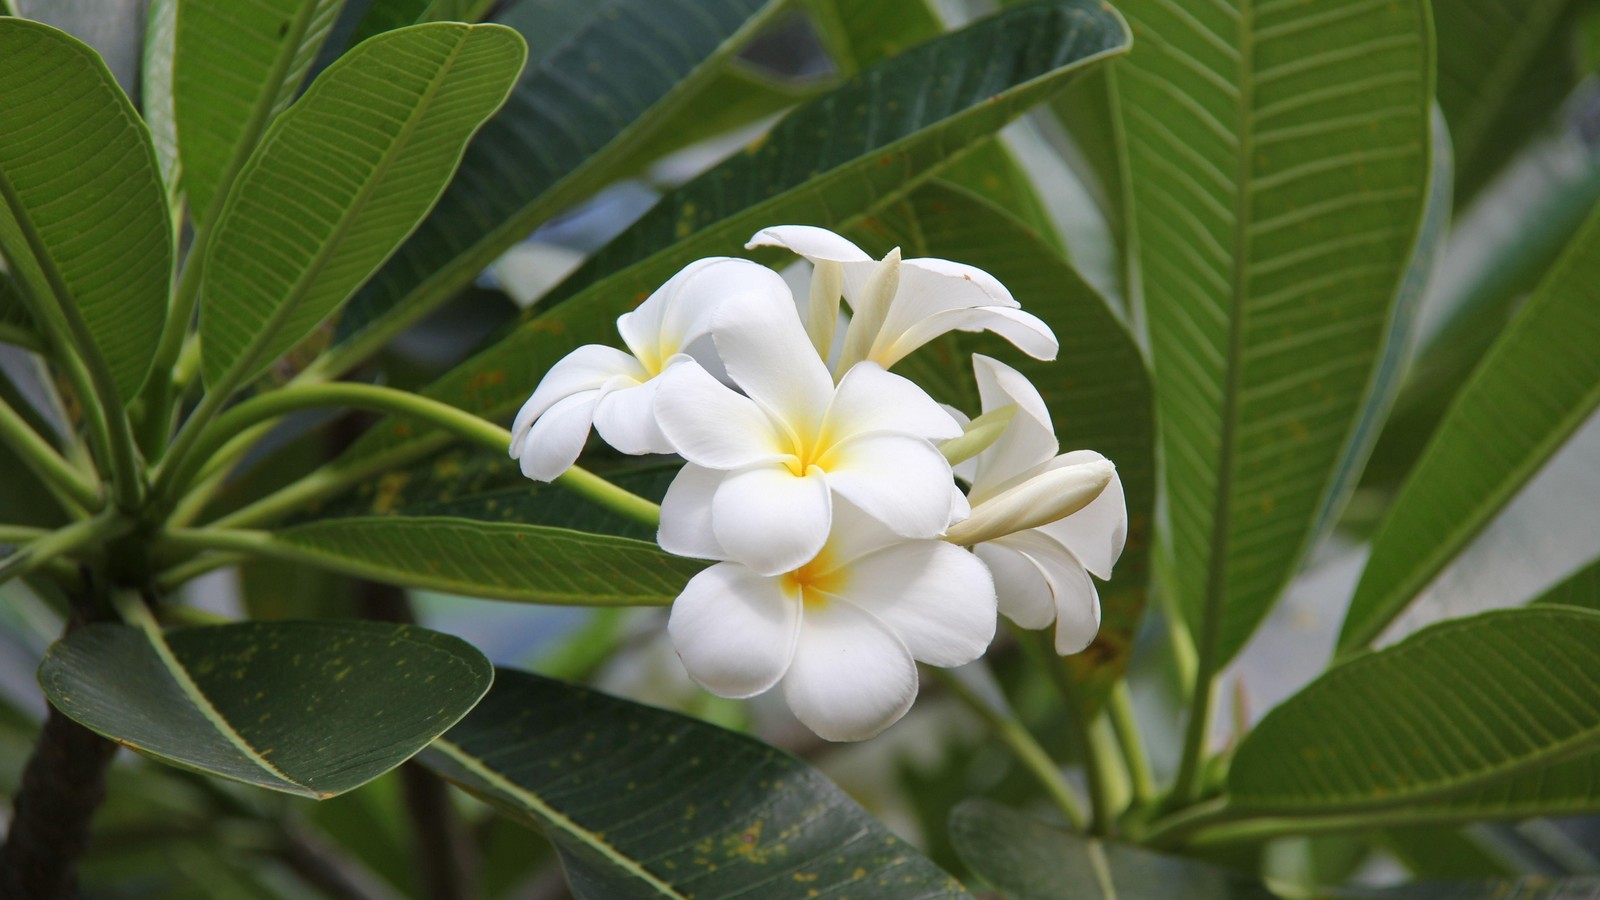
552	817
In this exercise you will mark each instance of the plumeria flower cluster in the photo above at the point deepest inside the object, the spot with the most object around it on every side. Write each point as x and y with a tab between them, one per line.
827	490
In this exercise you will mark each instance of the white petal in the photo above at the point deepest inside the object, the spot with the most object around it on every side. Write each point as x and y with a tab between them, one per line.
1028	440
771	520
1076	600
953	284
809	241
734	630
872	400
1028	332
901	481
854	534
660	326
557	437
1095	534
938	598
769	355
727	282
1024	595
711	424
584	369
851	677
626	418
686	514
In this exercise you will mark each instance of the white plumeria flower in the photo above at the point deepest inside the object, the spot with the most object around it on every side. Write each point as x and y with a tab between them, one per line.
899	305
840	633
764	465
1041	571
615	391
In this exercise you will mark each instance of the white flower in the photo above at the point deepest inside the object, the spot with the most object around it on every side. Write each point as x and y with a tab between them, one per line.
615	391
840	633
764	465
1041	571
897	306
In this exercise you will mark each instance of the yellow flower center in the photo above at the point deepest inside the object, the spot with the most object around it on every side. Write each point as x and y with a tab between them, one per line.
816	581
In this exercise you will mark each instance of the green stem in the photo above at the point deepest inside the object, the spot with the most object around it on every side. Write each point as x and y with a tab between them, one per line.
17	336
1172	830
43	460
1099	776
169	580
20	534
401	403
63	541
1021	743
1120	707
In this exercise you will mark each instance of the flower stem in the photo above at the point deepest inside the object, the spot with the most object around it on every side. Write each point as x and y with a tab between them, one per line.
1120	707
43	460
1022	745
61	542
396	402
1100	776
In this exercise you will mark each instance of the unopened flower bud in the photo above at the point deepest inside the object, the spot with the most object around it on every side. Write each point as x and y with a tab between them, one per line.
1047	497
978	434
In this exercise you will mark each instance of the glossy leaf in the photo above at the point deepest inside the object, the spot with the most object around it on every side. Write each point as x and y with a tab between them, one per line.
1462	706
387	15
307	708
604	76
156	99
1027	859
1097	389
1279	157
237	65
879	147
379	133
646	803
83	218
1504	68
1536	386
501	561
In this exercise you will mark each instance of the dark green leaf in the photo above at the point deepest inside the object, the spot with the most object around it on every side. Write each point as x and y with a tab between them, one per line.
1582	588
604	77
1279	157
307	708
387	15
156	99
1453	709
1504	68
379	133
878	146
83	218
646	803
1097	389
237	65
501	561
1537	385
1027	859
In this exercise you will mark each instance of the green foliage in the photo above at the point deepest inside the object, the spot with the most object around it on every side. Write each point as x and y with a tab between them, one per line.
83	225
1533	390
1272	234
239	700
418	95
1414	722
728	814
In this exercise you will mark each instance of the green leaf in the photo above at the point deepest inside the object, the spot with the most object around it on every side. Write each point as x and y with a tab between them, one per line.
1504	68
307	708
1582	588
378	135
1540	382
1452	709
497	560
387	15
83	219
1027	859
880	146
157	103
1279	156
237	66
1398	341
605	76
645	803
1097	389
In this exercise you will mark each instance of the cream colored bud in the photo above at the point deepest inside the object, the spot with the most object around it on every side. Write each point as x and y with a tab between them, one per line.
868	311
1047	497
978	435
